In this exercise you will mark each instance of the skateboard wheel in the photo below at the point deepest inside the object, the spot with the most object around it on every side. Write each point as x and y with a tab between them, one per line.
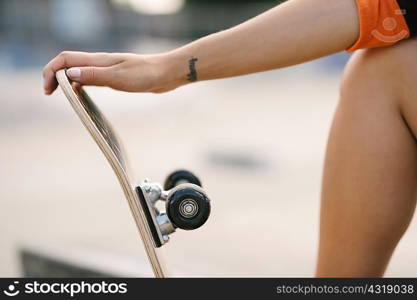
179	177
188	206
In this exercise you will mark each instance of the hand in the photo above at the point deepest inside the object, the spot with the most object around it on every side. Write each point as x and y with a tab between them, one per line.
121	71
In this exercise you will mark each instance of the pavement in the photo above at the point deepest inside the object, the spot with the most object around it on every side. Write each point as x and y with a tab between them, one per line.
257	142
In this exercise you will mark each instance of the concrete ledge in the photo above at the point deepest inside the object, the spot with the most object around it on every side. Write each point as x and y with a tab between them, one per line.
39	261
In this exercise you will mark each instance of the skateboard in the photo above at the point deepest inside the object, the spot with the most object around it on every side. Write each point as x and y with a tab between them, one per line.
187	205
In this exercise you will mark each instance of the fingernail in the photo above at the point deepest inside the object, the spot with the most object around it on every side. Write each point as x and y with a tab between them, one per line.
74	73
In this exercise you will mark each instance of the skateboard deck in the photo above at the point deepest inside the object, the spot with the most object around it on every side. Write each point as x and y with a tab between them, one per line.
110	144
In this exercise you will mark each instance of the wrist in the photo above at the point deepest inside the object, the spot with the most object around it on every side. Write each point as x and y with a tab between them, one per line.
172	70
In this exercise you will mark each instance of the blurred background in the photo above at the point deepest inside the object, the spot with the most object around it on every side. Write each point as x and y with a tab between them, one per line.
257	142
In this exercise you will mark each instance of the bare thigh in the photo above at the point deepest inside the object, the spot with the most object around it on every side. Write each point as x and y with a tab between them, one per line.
370	175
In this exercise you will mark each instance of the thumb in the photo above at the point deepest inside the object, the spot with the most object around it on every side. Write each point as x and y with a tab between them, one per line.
90	75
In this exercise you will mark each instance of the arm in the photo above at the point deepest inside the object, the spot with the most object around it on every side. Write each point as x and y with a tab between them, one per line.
291	33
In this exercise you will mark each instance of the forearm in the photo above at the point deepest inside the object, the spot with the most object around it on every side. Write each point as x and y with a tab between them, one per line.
291	33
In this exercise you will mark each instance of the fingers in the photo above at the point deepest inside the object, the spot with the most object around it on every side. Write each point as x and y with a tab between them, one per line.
68	59
91	75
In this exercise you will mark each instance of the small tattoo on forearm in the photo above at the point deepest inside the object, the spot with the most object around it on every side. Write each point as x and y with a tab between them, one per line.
192	76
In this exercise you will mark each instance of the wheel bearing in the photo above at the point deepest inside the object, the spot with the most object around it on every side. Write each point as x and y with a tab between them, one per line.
188	208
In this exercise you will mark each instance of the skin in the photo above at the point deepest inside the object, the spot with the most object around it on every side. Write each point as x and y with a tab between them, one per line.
368	194
324	27
370	174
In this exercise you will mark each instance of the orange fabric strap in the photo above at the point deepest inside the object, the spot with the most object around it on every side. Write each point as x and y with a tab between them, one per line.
382	23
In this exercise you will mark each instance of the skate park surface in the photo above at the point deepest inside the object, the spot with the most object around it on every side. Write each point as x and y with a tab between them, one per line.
257	143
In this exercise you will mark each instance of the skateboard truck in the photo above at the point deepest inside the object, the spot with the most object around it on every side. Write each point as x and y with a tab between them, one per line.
187	205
